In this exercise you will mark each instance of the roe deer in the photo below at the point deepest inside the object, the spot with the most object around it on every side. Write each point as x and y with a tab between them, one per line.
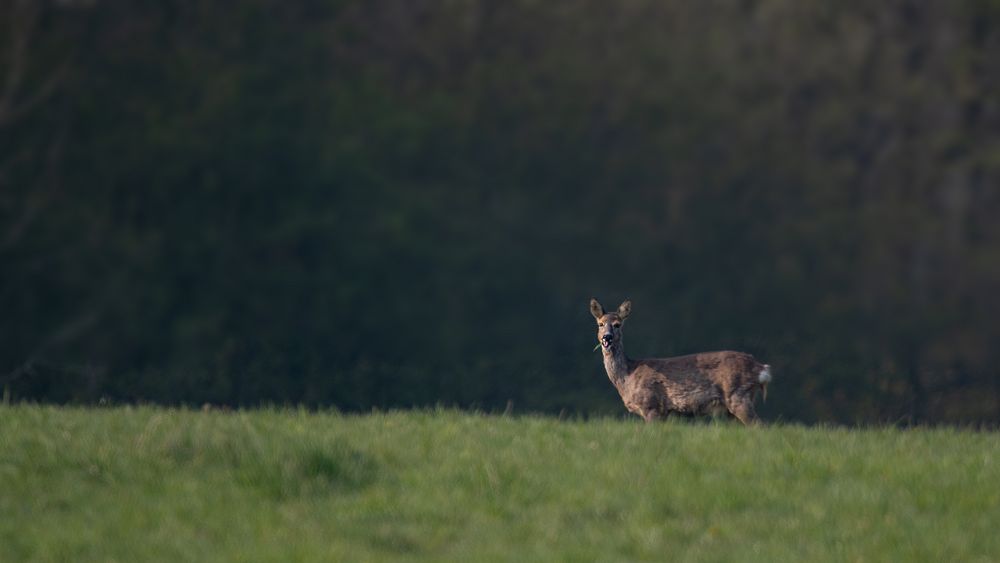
710	383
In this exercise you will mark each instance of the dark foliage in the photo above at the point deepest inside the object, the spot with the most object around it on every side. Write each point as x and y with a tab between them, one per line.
398	202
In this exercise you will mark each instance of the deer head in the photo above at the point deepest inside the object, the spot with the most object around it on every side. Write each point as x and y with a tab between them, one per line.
609	325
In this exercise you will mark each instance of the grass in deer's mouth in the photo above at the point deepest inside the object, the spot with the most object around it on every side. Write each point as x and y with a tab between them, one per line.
147	483
604	343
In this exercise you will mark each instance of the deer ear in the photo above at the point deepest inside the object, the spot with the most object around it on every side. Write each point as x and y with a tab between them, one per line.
596	309
624	309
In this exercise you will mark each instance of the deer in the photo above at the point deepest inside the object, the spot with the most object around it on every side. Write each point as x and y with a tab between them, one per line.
709	383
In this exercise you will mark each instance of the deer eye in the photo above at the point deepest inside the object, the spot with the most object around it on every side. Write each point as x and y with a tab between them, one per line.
616	325
600	324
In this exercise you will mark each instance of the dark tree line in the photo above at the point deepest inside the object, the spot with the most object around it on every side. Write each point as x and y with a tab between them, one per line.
398	202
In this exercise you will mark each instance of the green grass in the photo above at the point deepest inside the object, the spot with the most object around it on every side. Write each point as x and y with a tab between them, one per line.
131	484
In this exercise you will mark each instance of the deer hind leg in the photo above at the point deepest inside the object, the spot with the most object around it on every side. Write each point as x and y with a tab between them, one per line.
653	415
719	411
742	408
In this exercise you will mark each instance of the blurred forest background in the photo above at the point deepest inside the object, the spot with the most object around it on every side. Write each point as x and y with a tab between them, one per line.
392	203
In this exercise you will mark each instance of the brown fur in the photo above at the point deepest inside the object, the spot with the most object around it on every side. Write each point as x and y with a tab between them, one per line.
710	383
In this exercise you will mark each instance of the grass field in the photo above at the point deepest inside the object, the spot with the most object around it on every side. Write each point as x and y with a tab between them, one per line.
131	484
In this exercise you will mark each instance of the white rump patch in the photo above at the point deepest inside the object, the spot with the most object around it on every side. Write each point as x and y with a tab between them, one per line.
765	374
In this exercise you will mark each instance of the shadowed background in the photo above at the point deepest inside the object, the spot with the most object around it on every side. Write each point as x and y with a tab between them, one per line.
392	203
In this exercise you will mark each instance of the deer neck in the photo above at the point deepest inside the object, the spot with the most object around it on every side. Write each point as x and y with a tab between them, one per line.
616	364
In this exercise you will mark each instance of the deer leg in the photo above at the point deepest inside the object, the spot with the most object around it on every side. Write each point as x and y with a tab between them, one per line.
719	411
652	415
742	408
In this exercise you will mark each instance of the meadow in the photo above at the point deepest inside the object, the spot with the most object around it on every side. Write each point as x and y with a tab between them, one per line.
149	483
